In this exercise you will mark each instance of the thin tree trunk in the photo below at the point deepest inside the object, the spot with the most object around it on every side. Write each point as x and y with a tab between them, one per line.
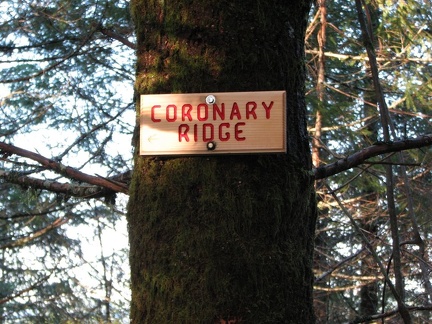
369	292
385	121
321	300
321	36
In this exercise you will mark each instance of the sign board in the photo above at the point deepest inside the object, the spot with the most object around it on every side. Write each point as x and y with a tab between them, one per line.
213	123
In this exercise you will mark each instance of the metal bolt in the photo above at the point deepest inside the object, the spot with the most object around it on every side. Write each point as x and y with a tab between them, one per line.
210	99
211	146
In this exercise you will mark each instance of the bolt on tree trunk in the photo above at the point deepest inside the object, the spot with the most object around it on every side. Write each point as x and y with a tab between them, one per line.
220	239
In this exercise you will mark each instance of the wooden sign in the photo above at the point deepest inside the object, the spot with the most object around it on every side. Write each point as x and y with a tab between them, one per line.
212	123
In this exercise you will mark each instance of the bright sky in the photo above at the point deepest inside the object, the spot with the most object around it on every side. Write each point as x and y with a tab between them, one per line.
113	239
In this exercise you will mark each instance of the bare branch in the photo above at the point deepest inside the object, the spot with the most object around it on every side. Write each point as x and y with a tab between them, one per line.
69	189
118	37
360	157
367	319
337	265
371	249
363	57
65	171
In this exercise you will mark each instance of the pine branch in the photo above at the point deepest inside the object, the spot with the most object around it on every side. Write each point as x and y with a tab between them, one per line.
23	291
22	241
61	60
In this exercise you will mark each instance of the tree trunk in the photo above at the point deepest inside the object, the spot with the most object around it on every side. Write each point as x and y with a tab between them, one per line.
220	239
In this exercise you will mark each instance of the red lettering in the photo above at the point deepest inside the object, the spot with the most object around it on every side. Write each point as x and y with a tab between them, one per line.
208	137
153	113
195	133
186	110
227	134
206	132
174	115
238	131
235	112
219	111
199	108
183	132
267	108
250	109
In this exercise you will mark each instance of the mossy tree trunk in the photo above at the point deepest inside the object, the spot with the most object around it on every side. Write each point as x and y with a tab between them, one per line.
223	238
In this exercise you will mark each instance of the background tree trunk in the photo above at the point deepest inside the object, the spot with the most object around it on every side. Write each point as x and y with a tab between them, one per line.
223	238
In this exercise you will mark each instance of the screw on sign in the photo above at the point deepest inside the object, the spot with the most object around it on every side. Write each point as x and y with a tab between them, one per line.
211	146
210	99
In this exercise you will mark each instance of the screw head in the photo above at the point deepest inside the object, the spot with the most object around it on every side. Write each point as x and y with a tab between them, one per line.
210	99
211	146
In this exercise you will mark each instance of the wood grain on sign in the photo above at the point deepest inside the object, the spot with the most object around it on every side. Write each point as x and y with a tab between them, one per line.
213	123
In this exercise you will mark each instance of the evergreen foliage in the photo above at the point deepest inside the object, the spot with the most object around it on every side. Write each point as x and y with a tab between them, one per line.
351	121
65	89
66	83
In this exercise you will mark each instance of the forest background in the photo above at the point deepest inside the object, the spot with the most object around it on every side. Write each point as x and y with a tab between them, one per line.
67	112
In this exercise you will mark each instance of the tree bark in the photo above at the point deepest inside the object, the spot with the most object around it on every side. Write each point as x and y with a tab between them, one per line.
221	239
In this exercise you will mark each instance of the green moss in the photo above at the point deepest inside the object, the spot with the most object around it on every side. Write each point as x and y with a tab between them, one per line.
224	236
216	241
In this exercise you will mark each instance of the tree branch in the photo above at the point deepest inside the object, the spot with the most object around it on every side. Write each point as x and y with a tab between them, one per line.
363	57
69	189
22	241
54	65
358	158
391	313
23	291
118	37
370	247
337	265
65	171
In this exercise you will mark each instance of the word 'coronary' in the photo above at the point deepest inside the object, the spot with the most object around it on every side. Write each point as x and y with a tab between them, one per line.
202	112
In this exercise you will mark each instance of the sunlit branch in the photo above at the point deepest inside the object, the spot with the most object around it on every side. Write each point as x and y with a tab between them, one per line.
320	90
332	128
339	288
65	171
344	57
